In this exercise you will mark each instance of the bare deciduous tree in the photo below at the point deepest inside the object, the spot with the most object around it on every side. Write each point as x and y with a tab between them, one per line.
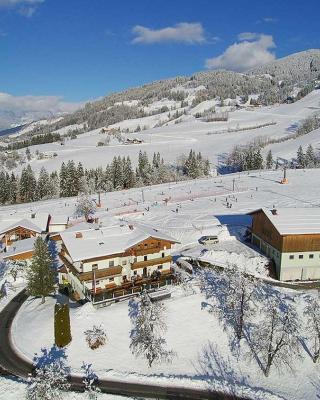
312	312
275	339
148	329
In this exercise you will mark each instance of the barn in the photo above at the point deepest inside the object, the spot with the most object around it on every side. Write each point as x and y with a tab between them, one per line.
291	238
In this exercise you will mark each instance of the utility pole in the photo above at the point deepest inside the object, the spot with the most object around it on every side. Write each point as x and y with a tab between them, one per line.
142	195
233	184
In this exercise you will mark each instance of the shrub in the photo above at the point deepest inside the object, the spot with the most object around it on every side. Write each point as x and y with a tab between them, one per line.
95	337
62	330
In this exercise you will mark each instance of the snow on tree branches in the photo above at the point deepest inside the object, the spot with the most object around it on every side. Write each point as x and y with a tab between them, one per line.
148	328
275	339
312	312
233	294
90	381
50	378
85	206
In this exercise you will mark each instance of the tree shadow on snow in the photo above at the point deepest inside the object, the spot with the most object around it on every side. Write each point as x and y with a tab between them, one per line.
49	356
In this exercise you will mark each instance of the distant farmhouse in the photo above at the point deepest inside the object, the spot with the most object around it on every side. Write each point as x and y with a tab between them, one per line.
18	235
291	238
107	262
13	228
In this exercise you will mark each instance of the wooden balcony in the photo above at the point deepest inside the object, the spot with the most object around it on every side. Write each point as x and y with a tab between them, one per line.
87	276
149	250
149	263
129	289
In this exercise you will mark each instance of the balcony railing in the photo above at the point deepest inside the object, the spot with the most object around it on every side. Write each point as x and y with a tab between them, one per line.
149	263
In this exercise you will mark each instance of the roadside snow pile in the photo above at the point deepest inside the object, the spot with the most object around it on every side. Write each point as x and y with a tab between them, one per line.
255	265
231	252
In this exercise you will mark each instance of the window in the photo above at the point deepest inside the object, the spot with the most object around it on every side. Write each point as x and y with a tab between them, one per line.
94	267
160	266
145	258
162	255
310	255
111	279
135	259
146	245
291	257
111	263
97	282
135	272
300	256
124	262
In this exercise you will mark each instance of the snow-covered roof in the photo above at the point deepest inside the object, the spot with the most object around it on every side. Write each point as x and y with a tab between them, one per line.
36	222
104	241
20	247
295	221
59	219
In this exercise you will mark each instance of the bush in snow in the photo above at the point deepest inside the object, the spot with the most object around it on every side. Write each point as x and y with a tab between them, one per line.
50	378
95	337
90	381
146	336
62	330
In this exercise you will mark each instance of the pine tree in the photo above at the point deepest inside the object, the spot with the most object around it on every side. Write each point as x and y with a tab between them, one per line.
13	189
43	183
301	157
269	160
257	160
71	179
27	185
310	158
64	190
128	174
40	275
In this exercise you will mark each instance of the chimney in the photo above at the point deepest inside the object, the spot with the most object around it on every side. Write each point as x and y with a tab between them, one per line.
131	227
33	215
274	212
78	235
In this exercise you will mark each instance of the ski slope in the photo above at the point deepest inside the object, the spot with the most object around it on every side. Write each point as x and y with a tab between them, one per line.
173	139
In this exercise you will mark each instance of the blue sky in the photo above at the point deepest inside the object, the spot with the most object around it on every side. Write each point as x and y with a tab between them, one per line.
76	50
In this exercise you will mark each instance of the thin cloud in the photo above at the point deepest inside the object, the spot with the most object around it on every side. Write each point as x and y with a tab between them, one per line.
53	104
184	32
245	54
248	36
267	20
24	7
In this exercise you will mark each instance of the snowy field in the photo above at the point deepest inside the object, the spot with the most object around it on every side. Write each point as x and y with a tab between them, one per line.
172	140
204	358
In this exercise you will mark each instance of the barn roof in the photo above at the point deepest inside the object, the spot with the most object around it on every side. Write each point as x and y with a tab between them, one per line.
295	221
